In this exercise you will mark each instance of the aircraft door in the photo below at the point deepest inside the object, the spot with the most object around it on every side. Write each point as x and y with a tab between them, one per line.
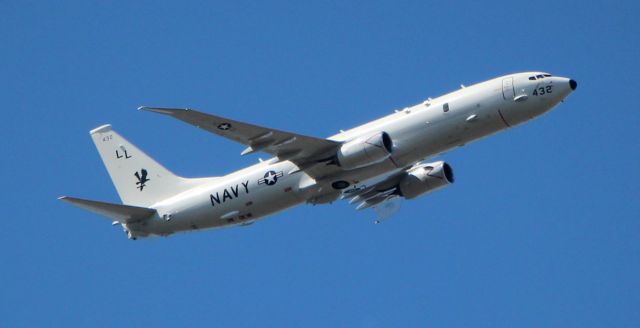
507	89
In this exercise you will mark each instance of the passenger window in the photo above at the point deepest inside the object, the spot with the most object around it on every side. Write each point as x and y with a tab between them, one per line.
445	107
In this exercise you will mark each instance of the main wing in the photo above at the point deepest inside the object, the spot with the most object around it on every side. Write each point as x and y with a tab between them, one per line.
375	193
303	150
382	195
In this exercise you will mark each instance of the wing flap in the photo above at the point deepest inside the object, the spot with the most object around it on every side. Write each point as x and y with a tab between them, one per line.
117	212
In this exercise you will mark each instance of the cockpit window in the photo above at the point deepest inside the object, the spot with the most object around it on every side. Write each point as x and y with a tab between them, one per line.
539	76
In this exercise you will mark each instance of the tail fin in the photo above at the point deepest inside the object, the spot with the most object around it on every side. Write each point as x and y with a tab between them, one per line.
139	180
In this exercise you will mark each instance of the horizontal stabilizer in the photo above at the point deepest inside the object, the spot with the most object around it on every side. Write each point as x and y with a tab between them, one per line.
117	212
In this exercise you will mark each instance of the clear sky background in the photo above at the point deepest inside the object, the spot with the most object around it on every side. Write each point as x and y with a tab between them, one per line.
541	228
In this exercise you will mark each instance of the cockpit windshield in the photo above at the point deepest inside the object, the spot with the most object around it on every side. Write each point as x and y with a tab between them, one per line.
539	76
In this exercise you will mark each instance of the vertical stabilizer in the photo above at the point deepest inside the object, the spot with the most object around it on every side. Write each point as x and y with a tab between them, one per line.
139	180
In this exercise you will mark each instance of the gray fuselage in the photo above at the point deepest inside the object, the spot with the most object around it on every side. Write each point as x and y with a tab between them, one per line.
418	132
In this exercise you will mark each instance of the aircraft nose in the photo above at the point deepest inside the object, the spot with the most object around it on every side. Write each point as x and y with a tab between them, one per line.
573	84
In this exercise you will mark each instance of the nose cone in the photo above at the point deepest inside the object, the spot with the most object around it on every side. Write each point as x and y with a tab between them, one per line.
573	84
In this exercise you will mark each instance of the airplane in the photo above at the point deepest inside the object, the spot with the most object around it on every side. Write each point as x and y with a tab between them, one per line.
372	166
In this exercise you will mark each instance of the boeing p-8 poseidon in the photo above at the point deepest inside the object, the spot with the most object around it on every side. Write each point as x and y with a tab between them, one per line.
372	165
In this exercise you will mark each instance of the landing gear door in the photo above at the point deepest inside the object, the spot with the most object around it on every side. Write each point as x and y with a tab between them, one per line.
507	89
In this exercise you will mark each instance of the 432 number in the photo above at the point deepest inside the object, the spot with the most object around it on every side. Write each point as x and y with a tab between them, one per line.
542	90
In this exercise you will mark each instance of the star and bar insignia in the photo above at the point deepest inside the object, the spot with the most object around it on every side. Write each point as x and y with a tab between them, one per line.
270	178
224	126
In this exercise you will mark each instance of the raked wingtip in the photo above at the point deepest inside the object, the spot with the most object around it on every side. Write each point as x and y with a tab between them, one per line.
160	110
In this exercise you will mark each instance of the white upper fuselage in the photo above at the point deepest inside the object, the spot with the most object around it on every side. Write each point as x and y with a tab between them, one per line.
418	132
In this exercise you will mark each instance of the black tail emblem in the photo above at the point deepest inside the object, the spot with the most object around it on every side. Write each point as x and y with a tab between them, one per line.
142	178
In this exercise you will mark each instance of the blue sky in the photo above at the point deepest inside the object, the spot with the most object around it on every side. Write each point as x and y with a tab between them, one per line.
540	229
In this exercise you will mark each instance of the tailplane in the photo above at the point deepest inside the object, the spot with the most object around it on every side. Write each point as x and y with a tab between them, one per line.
120	213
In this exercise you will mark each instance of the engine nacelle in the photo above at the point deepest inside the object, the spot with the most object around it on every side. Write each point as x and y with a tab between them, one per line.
425	178
365	151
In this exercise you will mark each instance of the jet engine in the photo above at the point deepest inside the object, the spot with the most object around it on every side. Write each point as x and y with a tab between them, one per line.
365	151
425	178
